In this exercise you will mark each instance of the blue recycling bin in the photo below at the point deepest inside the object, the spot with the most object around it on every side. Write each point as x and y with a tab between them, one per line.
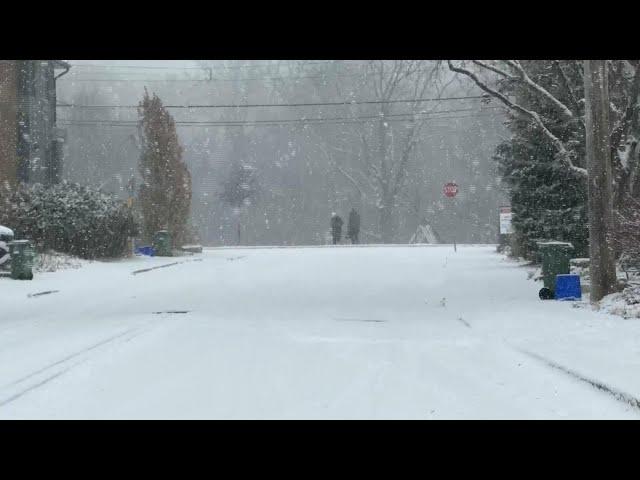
568	287
149	251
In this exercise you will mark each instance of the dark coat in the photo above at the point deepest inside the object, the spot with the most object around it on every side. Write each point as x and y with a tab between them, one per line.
336	225
354	223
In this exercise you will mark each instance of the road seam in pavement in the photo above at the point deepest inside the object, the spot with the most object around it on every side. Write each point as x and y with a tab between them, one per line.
135	272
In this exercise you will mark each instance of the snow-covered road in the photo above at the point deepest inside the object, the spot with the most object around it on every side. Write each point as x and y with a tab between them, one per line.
368	332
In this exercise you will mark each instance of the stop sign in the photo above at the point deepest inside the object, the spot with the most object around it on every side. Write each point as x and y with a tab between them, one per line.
450	189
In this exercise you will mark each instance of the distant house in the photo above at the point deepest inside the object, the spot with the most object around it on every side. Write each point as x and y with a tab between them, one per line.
30	142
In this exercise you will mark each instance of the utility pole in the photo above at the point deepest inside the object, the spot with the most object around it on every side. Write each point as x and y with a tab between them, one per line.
600	198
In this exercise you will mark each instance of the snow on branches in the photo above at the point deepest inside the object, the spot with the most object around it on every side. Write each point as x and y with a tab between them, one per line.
559	88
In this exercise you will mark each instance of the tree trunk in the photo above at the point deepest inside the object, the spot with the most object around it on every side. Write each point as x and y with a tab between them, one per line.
386	225
600	201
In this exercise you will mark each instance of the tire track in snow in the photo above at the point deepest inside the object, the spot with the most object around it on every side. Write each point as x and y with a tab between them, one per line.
462	320
70	357
377	386
598	385
137	331
50	378
35	386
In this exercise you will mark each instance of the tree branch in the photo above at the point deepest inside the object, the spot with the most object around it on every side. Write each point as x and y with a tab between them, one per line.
620	129
567	86
351	179
566	112
562	151
402	167
494	69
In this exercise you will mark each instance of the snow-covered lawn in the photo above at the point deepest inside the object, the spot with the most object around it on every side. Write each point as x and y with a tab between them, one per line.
369	332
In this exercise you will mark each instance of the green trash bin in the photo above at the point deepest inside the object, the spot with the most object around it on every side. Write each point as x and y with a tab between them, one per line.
162	244
22	257
555	258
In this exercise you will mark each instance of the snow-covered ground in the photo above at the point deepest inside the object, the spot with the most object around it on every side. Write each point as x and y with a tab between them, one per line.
334	332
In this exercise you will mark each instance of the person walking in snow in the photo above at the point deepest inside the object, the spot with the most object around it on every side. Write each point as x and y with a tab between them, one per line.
353	228
336	227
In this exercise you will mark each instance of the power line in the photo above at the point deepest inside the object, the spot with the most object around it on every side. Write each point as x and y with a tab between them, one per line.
137	67
258	123
309	104
221	67
412	115
70	78
325	76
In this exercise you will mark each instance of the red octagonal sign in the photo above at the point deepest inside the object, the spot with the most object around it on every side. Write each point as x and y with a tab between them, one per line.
450	189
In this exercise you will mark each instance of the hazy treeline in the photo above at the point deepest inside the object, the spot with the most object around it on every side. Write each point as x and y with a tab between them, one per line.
388	158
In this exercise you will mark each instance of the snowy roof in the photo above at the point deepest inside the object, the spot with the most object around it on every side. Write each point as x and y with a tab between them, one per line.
6	231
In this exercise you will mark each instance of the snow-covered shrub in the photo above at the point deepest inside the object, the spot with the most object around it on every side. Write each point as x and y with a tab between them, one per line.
625	303
51	261
626	236
68	218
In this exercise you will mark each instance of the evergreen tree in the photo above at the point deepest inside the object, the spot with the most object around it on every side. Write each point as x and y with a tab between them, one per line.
546	101
165	192
548	201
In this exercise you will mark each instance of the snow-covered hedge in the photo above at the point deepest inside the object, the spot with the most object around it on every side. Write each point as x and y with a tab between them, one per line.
626	235
68	218
625	303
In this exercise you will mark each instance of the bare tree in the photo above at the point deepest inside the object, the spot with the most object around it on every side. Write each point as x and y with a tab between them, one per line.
239	190
377	168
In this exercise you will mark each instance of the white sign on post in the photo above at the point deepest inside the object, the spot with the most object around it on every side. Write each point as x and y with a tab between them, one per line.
505	221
